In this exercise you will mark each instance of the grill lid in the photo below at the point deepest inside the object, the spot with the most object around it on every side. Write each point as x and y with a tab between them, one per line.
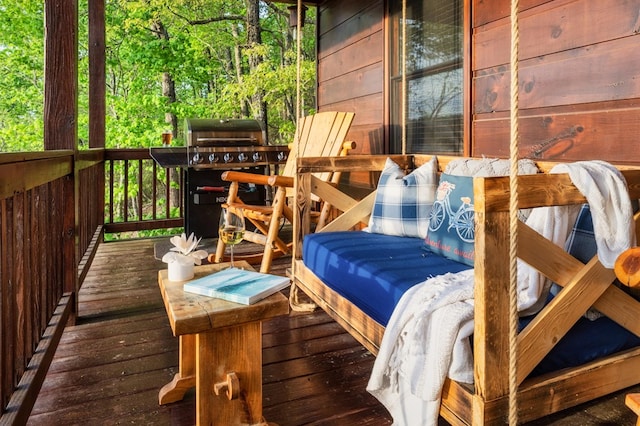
204	132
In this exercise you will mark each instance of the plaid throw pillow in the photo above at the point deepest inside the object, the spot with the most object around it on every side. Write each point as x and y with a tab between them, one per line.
581	243
403	203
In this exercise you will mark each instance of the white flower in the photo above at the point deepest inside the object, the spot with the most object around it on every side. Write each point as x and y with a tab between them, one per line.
185	247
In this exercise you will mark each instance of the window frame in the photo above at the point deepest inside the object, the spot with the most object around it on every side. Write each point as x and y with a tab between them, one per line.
393	84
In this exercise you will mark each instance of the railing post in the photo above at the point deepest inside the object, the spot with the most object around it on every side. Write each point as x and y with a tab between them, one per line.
147	198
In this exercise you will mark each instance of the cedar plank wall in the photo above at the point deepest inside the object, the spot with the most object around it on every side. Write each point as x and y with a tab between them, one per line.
579	73
579	79
350	67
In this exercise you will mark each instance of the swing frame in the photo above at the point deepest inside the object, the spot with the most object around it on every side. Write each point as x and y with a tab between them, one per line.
487	401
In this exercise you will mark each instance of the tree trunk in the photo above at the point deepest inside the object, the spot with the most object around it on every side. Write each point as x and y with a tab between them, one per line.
254	37
237	59
169	92
168	85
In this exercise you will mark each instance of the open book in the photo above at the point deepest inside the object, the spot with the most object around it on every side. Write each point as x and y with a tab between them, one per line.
237	285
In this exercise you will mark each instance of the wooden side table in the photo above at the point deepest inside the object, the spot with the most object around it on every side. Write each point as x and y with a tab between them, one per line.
220	350
633	402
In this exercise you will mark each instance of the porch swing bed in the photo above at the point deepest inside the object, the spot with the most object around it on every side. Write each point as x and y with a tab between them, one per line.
565	356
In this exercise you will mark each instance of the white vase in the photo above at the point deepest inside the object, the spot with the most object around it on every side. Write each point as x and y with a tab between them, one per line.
180	271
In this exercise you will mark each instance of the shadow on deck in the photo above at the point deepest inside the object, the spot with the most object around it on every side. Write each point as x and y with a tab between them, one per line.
110	366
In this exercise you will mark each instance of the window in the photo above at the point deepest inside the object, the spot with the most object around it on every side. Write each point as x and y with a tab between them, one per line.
434	77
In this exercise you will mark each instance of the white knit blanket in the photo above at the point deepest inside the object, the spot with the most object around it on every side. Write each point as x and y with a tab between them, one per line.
606	192
425	341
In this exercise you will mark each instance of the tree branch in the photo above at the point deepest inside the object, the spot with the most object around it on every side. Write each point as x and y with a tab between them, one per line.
208	20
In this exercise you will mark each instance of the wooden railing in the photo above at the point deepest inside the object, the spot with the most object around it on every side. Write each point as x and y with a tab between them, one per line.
38	270
89	168
53	215
140	194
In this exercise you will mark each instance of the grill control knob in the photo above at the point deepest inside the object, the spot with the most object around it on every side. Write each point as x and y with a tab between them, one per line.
227	158
213	158
196	159
242	157
257	157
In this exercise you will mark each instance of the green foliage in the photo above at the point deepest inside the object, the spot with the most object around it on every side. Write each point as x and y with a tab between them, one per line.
21	75
144	234
195	44
165	62
196	49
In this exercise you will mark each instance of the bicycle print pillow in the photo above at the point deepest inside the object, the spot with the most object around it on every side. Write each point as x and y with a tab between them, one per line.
452	220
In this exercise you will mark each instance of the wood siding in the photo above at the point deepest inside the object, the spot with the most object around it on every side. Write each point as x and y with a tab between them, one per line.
579	76
579	79
350	67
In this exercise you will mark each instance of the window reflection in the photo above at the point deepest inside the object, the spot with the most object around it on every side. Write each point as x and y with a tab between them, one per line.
434	76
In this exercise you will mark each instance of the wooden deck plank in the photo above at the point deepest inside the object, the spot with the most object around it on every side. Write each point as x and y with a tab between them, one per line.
111	364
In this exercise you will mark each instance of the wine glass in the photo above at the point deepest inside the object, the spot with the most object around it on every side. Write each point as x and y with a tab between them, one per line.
231	229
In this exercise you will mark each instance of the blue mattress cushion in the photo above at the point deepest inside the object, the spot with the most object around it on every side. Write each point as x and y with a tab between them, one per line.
586	341
372	270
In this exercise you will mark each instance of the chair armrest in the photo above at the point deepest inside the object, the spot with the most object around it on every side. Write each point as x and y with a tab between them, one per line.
346	147
244	177
286	181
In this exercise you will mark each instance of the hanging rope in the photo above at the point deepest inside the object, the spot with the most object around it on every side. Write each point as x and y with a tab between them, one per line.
294	297
513	219
298	61
403	107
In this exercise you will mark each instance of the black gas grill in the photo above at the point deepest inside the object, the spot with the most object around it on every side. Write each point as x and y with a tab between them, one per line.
214	146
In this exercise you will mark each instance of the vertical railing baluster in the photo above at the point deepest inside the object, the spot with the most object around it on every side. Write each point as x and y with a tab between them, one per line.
154	186
140	188
126	192
167	192
182	189
111	166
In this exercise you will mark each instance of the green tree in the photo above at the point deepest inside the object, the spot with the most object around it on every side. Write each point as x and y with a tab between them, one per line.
21	75
165	62
214	65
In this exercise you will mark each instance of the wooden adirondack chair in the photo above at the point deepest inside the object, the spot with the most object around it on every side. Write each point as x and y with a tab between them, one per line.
319	135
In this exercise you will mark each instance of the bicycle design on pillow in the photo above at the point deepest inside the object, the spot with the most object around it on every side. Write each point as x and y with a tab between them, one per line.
462	219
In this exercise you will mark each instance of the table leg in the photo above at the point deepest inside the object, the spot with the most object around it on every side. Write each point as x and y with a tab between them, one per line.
238	350
185	379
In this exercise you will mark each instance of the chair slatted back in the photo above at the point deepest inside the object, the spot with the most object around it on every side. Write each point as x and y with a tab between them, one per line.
319	135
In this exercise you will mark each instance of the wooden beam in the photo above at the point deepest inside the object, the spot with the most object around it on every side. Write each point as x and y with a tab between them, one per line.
61	74
97	74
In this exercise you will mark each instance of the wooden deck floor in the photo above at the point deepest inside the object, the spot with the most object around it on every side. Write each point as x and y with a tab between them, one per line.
111	364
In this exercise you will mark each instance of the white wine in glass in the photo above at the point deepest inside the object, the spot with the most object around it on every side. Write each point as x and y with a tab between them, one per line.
231	229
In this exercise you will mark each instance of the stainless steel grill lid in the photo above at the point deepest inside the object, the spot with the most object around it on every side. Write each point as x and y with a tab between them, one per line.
203	132
221	144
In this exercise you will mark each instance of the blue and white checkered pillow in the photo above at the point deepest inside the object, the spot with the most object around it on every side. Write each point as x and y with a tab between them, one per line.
581	243
403	203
